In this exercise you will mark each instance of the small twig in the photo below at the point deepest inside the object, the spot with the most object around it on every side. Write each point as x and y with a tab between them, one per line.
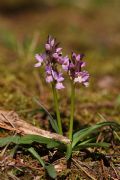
19	164
116	134
79	166
113	167
3	151
98	139
103	169
12	176
112	178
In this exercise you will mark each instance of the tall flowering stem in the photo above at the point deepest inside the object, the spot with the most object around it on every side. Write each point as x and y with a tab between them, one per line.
69	147
57	108
77	75
72	109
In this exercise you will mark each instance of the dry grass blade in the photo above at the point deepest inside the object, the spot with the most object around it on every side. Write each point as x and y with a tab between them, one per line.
84	170
106	176
113	167
11	121
12	176
8	120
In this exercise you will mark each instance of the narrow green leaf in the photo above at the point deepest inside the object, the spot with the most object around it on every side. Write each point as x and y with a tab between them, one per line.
51	171
88	141
9	139
37	156
82	134
88	145
13	151
52	121
29	139
69	151
50	168
53	144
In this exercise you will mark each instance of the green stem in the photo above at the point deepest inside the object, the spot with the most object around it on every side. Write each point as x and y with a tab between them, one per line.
72	110
57	109
69	147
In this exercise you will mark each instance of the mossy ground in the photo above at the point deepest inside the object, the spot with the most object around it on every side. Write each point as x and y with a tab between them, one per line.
91	29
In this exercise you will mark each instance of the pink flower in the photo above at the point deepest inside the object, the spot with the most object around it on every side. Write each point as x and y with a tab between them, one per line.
59	85
82	77
40	59
65	64
49	79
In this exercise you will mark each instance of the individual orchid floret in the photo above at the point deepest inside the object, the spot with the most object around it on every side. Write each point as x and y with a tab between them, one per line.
65	63
82	77
59	85
57	78
40	59
50	43
49	78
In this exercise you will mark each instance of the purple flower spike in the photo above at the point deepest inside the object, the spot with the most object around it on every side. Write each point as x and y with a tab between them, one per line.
39	58
54	61
75	69
51	59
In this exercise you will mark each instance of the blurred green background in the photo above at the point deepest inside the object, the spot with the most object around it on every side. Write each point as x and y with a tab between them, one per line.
86	26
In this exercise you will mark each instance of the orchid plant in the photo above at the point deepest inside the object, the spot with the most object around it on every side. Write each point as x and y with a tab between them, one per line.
55	66
54	63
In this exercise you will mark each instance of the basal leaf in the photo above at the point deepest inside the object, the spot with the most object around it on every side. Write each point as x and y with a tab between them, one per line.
88	145
51	171
28	139
9	139
88	141
50	168
53	144
69	151
36	155
82	134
